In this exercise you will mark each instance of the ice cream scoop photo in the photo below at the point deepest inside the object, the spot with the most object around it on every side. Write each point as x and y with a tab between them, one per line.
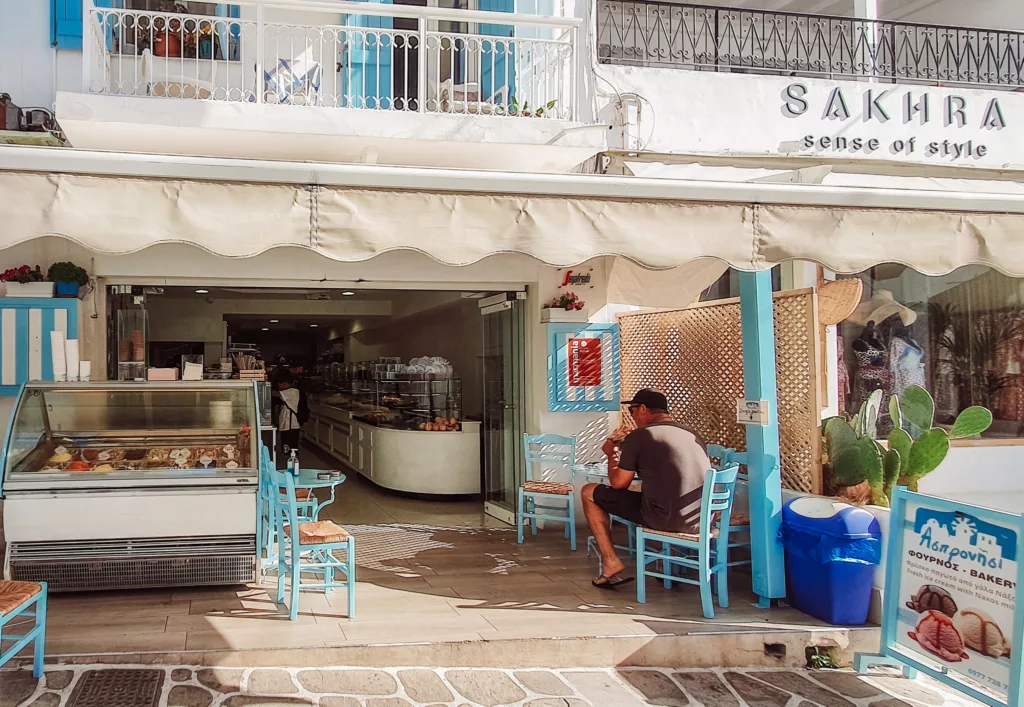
981	633
929	597
936	633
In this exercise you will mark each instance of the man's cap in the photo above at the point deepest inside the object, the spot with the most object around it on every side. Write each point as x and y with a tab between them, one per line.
651	398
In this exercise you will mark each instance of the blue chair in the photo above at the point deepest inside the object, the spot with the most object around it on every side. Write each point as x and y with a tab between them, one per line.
739	524
705	551
24	599
548	452
266	534
319	540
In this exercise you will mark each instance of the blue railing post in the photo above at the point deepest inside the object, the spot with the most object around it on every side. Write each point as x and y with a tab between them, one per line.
765	480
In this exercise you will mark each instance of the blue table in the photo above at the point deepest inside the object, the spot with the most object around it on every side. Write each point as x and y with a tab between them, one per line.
307	479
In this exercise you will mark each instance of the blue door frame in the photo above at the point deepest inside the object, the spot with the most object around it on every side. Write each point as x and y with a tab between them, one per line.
762	456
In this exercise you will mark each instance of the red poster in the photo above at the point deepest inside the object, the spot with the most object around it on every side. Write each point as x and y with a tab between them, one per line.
584	362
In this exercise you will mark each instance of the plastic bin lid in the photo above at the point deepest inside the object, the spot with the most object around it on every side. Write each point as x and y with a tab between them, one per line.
825	516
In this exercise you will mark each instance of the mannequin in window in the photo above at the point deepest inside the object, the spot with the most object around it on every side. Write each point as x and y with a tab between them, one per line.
868	348
906	357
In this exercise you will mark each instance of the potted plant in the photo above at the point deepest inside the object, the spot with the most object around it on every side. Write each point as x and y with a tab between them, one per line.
68	277
567	307
26	281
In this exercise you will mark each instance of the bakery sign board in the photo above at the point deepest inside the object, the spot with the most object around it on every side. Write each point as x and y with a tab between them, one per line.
585	362
950	596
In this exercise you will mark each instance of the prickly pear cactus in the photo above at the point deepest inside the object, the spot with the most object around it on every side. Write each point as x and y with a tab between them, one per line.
971	423
917	410
901	442
895	413
869	415
839	437
926	454
890	475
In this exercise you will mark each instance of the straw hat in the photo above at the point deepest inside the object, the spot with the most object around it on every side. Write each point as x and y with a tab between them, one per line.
838	299
880	307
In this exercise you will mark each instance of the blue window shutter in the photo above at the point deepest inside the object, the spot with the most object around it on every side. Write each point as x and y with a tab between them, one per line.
367	74
498	66
66	24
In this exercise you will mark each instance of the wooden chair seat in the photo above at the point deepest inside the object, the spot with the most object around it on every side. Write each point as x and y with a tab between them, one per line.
320	532
13	594
692	537
561	489
737	519
303	495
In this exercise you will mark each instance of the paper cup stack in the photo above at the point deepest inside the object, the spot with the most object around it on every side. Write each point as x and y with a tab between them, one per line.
58	356
71	358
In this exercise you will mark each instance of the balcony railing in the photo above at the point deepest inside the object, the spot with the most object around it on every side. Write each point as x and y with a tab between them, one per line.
643	33
341	55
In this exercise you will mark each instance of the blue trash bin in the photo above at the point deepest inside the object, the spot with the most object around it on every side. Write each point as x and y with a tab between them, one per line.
832	549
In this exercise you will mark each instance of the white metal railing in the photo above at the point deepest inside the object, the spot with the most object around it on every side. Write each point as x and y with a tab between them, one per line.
339	54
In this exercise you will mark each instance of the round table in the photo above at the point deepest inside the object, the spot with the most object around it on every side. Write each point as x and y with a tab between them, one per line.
307	479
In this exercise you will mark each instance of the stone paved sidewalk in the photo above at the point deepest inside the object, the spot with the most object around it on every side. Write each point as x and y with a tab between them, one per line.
453	687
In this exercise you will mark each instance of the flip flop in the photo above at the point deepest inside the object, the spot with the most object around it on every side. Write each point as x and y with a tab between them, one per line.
611	582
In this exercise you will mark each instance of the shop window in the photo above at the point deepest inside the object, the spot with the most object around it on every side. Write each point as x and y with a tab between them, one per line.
960	336
728	285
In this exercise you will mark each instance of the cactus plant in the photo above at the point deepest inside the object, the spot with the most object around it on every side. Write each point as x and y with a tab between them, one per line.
916	448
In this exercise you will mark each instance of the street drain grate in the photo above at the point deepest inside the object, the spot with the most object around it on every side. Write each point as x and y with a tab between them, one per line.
118	688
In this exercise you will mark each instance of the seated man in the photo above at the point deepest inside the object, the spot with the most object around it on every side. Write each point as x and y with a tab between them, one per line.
669	459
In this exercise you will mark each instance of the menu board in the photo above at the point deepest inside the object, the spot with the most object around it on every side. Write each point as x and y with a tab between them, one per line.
585	362
956	591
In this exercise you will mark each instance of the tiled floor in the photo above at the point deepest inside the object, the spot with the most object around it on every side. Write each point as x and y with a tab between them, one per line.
185	686
427	572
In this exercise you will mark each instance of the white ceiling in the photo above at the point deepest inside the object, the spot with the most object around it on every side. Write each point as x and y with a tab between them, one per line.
915	10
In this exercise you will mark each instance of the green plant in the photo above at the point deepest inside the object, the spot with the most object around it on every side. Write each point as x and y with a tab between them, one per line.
915	449
67	272
818	659
526	110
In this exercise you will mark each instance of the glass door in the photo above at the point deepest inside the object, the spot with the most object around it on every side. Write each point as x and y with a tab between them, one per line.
504	358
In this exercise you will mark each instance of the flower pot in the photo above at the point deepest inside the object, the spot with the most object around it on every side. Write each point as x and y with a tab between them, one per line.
30	289
554	315
68	289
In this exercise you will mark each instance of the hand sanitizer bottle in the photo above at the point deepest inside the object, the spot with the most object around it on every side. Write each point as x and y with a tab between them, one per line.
293	463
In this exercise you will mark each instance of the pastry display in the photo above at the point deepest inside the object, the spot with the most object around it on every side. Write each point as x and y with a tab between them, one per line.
231	465
61	455
158	454
937	634
981	633
103	467
205	461
931	597
228	452
78	466
134	455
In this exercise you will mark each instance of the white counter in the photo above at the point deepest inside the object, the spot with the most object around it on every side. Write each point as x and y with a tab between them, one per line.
411	461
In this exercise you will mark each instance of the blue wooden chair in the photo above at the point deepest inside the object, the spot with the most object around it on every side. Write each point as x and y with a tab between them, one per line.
25	600
266	535
547	452
319	540
739	523
705	551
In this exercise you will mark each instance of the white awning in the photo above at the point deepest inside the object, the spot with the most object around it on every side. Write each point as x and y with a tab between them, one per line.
119	203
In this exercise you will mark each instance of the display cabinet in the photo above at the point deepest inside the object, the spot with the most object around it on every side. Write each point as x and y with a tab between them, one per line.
141	484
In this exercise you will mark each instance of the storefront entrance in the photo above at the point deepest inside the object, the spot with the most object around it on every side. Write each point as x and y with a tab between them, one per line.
414	394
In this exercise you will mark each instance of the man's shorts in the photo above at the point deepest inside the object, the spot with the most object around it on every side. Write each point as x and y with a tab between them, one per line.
623	503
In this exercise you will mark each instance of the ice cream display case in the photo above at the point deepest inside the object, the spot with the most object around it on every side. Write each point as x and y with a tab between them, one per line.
131	484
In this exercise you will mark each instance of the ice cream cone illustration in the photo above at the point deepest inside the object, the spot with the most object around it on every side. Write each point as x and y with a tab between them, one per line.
936	633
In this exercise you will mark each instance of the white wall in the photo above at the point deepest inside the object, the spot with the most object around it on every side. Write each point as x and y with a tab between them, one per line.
995	14
30	69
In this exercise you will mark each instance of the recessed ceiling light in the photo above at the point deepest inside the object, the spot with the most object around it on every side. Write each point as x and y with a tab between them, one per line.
348	293
274	321
266	328
201	292
314	326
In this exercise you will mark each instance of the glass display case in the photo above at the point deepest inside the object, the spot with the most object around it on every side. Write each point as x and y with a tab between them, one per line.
125	434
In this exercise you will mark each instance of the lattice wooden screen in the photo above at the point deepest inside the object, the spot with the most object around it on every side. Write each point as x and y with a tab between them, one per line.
695	357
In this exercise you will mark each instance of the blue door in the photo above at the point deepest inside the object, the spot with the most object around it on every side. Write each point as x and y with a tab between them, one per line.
498	65
366	72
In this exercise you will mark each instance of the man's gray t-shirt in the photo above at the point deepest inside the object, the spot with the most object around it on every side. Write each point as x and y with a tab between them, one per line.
671	461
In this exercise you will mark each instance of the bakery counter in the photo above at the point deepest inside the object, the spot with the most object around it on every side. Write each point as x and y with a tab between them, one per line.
409	461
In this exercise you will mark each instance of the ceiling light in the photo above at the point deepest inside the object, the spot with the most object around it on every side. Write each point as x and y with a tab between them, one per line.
274	321
201	292
348	293
314	326
266	328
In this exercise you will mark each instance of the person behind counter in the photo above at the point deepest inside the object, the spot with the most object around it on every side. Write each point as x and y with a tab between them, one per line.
292	411
670	460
